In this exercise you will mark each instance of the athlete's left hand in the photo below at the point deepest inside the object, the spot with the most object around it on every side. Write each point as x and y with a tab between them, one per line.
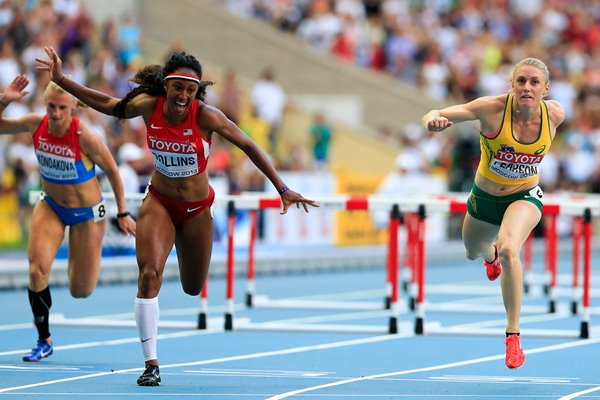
290	197
127	225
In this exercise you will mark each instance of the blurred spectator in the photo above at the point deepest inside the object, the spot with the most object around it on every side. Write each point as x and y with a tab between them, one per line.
74	67
410	161
177	45
129	37
401	49
131	158
219	162
296	159
562	90
68	8
321	133
9	65
321	27
21	157
578	161
257	128
33	50
268	98
435	74
230	97
18	31
6	14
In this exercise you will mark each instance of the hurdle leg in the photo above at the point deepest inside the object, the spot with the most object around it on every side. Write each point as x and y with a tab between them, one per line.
230	266
407	264
251	272
551	242
587	269
393	268
577	233
547	249
202	316
413	247
420	308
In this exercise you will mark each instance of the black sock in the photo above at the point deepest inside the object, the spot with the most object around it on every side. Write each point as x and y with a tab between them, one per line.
513	333
40	306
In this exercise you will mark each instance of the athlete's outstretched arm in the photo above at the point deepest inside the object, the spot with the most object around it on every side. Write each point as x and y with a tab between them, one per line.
93	98
438	120
212	119
15	91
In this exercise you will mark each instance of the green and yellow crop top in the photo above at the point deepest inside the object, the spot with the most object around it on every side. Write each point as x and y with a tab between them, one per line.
505	160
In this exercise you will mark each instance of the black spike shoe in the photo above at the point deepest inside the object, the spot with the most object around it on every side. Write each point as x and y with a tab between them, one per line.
150	377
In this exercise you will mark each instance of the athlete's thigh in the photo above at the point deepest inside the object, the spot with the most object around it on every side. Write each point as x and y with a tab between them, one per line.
46	233
155	235
519	220
478	235
85	250
194	248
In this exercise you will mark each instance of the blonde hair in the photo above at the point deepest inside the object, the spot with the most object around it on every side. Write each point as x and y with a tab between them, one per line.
54	88
534	62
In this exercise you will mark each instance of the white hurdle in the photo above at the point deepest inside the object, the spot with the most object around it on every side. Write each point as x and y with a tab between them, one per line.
413	208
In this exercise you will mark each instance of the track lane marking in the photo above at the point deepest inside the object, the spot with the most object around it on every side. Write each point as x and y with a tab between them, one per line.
562	346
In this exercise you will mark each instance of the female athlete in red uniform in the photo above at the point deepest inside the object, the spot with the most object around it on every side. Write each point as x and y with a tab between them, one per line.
177	209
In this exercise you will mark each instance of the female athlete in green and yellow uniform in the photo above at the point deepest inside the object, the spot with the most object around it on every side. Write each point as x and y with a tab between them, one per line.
505	203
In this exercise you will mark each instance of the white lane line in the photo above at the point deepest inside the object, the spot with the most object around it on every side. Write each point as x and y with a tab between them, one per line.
434	368
293	350
117	342
12	327
523	320
161	395
578	394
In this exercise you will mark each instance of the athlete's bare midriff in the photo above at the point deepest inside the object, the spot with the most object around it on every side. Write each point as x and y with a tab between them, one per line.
498	189
191	188
78	195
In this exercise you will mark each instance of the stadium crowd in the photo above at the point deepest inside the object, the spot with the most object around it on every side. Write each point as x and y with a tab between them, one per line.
453	50
457	50
105	55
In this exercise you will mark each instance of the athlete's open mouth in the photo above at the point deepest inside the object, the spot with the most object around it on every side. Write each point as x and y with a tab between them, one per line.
181	105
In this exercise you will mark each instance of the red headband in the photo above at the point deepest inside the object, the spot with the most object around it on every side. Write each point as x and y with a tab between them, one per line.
187	77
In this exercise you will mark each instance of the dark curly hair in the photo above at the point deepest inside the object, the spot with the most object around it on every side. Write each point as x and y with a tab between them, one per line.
151	79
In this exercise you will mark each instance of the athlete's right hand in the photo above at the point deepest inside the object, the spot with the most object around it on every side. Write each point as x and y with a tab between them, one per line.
15	90
438	124
52	64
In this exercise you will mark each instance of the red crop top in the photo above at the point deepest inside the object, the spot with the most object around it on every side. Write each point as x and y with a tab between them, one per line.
179	150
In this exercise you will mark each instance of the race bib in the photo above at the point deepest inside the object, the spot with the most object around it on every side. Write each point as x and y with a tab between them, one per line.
99	211
56	167
174	159
536	193
512	165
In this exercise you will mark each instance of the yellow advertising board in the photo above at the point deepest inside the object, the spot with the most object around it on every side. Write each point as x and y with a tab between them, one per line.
356	228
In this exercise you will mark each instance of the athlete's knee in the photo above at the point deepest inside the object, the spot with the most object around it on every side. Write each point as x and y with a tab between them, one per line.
472	256
192	288
37	277
150	279
472	253
508	252
192	291
80	292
